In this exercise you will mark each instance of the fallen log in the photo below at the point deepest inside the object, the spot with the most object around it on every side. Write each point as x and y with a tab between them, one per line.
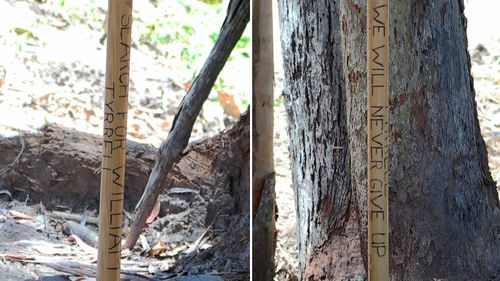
210	186
61	167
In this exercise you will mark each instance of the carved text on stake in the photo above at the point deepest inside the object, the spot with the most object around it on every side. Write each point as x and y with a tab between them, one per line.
114	141
378	164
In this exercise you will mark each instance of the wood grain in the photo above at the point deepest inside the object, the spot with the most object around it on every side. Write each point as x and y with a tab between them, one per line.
114	139
378	148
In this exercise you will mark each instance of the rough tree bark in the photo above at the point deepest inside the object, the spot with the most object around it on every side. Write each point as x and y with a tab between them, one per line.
444	209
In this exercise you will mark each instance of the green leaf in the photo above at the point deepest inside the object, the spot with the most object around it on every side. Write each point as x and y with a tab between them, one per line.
213	36
189	30
28	33
243	42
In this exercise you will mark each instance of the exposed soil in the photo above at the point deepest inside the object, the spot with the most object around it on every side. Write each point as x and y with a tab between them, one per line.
202	224
52	73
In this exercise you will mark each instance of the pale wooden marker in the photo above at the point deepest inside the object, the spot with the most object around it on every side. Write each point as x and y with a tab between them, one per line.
114	138
377	127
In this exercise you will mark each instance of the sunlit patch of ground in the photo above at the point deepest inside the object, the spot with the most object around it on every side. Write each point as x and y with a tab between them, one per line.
52	66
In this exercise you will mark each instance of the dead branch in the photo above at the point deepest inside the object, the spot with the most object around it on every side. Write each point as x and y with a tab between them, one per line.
237	17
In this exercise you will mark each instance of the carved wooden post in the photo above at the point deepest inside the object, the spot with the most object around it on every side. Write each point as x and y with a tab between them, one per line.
114	138
378	147
263	195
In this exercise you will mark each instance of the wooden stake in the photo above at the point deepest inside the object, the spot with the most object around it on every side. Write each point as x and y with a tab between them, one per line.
115	134
378	148
262	97
263	182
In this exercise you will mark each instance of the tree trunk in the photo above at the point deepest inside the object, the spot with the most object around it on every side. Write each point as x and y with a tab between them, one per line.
444	210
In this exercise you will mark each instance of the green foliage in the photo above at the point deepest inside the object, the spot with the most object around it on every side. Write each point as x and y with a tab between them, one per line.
25	37
496	174
242	46
219	84
212	2
213	36
26	32
187	32
181	32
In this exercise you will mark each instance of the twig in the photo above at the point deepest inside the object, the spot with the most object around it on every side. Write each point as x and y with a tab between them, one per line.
73	267
74	217
6	168
87	235
196	245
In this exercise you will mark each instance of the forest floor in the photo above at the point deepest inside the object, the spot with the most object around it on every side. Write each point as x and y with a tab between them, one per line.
52	70
484	48
52	67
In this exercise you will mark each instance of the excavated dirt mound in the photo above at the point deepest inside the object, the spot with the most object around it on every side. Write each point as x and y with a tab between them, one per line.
202	224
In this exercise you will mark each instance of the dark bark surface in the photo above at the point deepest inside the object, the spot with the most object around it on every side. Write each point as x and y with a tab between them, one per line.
264	233
63	165
444	210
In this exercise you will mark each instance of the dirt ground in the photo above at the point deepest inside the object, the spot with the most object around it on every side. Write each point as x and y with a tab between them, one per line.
36	246
52	72
200	225
52	68
40	76
484	48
